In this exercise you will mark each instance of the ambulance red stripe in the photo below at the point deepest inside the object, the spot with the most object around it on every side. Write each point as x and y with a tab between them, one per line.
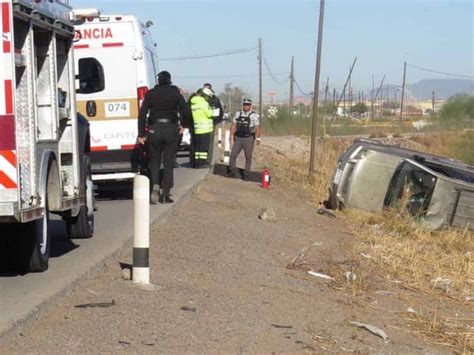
6	181
108	45
99	149
81	46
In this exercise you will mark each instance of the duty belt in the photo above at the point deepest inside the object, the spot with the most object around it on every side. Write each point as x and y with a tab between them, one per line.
163	121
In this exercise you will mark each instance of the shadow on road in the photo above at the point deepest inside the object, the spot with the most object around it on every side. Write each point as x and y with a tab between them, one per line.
60	245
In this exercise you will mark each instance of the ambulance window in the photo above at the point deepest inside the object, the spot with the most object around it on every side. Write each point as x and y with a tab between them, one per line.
91	76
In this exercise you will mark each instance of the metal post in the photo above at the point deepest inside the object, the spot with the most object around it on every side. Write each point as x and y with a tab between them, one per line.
314	127
403	93
325	107
141	229
292	85
433	101
260	77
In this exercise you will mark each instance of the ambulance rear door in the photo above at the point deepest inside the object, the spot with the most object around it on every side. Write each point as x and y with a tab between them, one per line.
112	112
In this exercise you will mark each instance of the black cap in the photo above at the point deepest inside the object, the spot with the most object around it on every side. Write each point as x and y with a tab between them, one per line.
207	84
164	78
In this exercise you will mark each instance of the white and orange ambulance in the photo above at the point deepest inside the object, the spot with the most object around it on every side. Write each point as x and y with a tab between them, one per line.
127	52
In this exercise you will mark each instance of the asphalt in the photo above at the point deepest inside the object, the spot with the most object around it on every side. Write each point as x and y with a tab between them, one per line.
24	297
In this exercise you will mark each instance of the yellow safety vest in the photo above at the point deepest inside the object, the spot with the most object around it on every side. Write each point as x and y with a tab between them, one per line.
202	115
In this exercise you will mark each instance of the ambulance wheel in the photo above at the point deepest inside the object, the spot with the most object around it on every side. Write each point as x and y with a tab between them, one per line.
82	226
35	244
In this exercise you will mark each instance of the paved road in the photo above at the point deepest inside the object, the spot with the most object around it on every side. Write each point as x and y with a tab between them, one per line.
21	296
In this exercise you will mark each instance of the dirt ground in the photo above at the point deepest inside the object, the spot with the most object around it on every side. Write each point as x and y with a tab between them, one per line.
226	281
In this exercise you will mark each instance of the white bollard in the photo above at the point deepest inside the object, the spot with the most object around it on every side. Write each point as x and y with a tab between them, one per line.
141	229
219	137
227	147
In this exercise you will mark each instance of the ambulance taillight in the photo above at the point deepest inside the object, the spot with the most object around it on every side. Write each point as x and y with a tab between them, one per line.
141	93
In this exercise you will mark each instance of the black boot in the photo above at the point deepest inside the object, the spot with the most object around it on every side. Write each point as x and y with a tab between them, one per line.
167	199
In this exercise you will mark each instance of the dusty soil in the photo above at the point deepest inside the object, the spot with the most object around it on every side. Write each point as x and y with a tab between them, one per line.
226	281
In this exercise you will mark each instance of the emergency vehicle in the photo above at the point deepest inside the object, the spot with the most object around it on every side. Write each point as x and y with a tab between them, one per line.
44	166
125	49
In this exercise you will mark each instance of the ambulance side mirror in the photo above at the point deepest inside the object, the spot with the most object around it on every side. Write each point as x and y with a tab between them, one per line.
91	76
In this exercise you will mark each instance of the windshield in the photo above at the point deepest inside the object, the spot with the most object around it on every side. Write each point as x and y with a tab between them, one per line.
411	188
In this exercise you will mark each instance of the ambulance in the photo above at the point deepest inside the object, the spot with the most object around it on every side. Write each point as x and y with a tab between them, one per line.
128	56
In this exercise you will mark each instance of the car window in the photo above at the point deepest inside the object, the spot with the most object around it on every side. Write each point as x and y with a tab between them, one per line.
411	188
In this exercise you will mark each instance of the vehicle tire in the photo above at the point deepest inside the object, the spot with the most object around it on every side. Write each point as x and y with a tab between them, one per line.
35	243
82	226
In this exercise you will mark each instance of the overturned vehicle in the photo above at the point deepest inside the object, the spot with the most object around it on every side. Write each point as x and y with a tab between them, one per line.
372	176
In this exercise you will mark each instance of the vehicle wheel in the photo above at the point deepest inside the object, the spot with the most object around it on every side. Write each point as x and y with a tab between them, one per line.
82	226
35	243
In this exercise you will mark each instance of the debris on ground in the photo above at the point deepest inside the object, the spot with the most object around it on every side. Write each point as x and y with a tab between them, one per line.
188	309
374	330
350	276
297	261
322	276
326	212
282	326
96	305
267	214
442	283
126	274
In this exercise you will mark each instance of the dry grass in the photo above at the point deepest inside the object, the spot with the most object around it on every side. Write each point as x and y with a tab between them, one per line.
294	171
403	249
451	332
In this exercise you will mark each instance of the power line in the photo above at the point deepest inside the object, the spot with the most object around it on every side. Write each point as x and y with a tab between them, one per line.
440	72
231	52
225	76
300	90
273	75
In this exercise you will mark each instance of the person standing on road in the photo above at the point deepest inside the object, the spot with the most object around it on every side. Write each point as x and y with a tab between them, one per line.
218	114
245	130
160	110
202	129
215	103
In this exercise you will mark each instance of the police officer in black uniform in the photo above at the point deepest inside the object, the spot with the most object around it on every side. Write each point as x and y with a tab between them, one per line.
159	115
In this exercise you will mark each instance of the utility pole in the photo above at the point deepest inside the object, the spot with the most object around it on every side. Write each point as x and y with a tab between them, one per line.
260	76
334	97
292	85
314	122
350	100
379	90
433	102
345	86
403	93
372	98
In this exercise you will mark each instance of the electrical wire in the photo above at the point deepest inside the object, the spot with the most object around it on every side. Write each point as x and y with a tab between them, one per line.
440	72
231	52
224	76
273	75
300	90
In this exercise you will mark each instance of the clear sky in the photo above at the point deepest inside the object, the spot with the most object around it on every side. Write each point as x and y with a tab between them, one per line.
434	34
